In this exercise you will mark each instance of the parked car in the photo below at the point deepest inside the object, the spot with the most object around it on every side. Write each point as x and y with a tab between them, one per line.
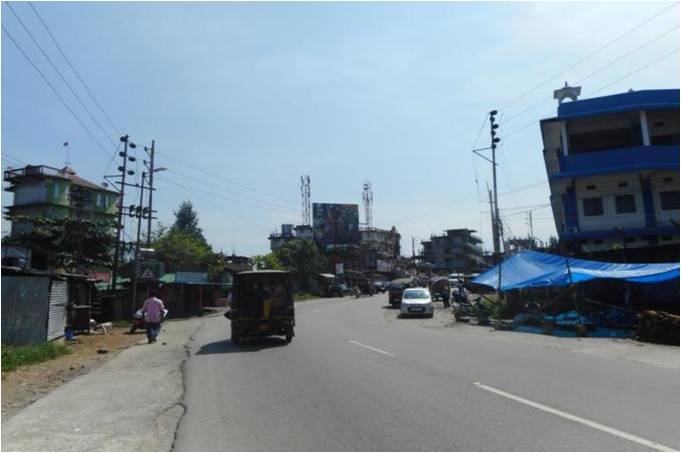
416	301
381	287
339	290
396	289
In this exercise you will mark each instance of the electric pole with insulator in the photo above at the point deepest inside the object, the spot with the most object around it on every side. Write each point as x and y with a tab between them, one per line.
121	194
493	126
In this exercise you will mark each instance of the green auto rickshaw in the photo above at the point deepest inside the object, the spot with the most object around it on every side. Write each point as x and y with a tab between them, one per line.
261	305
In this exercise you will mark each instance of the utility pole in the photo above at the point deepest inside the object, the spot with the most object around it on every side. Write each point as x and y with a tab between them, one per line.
495	237
531	227
151	189
305	198
121	194
497	230
139	212
494	140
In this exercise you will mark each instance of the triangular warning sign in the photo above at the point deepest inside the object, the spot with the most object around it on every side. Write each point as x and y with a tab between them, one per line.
147	274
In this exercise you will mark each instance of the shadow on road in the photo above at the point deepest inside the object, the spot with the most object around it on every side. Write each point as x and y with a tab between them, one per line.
227	347
390	307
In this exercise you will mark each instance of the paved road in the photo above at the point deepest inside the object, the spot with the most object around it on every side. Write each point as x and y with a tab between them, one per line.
358	378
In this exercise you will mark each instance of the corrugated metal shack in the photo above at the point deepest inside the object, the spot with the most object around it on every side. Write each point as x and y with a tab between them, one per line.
36	305
33	306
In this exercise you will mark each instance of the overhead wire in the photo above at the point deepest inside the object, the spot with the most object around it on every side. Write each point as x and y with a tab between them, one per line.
223	179
592	54
215	205
268	204
56	69
599	70
68	62
54	90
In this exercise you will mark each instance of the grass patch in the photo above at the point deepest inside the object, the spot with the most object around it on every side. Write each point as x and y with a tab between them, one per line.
300	297
15	356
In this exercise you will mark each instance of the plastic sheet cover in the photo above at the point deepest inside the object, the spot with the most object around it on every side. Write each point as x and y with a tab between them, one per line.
530	269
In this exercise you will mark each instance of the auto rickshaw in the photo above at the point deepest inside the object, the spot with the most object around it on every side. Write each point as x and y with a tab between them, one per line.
440	290
261	305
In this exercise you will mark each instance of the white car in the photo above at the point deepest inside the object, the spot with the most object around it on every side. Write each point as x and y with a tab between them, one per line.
416	301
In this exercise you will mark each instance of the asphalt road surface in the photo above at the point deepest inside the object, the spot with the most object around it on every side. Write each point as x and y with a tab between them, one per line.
356	377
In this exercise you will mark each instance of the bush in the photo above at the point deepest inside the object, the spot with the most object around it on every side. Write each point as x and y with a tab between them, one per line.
15	356
300	297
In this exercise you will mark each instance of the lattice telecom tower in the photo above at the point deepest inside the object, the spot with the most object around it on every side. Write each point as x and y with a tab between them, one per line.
305	194
368	198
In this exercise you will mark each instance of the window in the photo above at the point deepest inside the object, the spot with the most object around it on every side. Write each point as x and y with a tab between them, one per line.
598	241
622	184
667	180
625	204
592	206
669	200
666	238
590	187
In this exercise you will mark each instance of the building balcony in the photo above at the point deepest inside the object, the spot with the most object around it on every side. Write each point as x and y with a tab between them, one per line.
31	172
623	160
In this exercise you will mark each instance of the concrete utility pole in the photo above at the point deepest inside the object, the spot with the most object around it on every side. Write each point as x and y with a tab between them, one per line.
497	230
121	194
139	212
151	190
494	140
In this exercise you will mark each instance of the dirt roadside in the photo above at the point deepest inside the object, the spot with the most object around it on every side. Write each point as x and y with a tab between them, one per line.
22	387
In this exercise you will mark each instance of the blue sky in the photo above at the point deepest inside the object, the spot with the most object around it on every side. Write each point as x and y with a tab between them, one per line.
249	96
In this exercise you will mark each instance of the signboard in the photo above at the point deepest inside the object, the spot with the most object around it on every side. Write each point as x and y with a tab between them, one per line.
150	270
335	225
339	268
384	266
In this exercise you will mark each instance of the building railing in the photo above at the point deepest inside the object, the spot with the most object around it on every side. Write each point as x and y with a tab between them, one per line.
31	170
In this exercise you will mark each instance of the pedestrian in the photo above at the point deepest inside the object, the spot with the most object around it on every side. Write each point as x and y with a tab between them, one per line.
153	315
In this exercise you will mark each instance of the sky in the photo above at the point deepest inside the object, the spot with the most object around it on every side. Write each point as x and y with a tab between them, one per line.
244	98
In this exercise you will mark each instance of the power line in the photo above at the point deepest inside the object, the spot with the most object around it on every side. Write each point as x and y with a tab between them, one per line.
216	205
222	178
14	158
49	60
234	193
54	90
597	51
640	68
601	69
92	96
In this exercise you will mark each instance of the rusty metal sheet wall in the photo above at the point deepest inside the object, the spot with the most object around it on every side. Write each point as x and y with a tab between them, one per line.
24	309
56	318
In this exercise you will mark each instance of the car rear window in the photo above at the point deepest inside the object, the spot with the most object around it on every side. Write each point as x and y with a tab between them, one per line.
418	294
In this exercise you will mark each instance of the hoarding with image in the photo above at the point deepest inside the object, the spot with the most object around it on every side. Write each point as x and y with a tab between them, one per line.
335	225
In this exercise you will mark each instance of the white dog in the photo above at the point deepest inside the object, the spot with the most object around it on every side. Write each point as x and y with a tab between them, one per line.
105	327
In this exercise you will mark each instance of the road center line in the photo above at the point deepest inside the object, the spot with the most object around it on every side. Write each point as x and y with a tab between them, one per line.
584	421
371	348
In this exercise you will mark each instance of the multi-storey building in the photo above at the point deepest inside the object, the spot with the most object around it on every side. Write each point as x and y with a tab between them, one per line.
613	169
380	249
457	250
42	191
289	232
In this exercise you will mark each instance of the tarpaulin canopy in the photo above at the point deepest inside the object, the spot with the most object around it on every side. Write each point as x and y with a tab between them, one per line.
530	269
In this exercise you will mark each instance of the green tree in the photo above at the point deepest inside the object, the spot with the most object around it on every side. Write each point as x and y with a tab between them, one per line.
68	244
187	221
268	261
302	258
180	250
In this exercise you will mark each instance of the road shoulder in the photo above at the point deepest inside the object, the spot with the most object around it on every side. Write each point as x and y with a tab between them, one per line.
133	402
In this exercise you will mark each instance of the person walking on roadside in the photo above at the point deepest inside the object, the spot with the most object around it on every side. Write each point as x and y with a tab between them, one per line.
153	315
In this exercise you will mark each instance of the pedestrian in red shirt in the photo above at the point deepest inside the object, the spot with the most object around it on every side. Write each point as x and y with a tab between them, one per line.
154	311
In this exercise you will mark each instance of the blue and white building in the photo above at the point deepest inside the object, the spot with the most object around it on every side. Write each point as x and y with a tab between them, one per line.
613	169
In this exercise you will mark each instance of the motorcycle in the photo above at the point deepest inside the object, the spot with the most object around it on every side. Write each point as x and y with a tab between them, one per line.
138	320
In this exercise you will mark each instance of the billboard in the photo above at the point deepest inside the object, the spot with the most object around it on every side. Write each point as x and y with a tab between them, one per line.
335	225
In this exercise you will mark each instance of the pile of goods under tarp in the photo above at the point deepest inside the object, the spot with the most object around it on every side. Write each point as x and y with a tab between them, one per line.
658	327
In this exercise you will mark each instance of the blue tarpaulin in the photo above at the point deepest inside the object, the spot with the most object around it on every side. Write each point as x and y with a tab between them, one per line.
530	269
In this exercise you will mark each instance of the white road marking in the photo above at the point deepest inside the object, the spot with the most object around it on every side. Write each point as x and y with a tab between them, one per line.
371	348
584	421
